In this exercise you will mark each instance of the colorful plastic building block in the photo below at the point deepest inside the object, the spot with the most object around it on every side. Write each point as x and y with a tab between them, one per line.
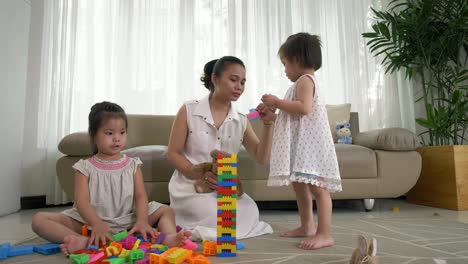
253	114
4	249
21	250
47	249
79	258
119	236
240	245
227	206
188	244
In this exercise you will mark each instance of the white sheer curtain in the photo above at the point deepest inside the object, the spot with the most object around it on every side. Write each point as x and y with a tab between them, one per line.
148	56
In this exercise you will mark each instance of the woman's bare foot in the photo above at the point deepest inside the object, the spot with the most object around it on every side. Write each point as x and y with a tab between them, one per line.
175	240
72	243
299	232
316	242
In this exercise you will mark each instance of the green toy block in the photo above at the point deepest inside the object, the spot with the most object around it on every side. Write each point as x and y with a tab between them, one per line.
115	261
119	236
79	258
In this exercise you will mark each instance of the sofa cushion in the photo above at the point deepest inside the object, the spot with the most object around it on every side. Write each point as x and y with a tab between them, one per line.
390	139
337	114
356	162
76	144
156	167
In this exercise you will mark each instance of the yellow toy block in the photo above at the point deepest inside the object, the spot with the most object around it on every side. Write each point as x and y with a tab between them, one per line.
178	256
226	230
124	253
227	170
137	244
226	246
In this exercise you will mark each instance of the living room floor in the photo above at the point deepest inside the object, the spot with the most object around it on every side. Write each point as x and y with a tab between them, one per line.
412	234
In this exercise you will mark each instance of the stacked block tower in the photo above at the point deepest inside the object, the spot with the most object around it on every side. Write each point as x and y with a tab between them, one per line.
227	206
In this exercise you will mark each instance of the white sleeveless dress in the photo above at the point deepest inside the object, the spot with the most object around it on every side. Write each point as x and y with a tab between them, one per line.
111	191
303	148
198	211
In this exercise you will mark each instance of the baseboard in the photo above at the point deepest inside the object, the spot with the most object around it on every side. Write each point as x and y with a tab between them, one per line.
33	202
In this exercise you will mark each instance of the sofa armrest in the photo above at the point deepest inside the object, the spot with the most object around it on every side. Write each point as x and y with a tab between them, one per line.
390	139
76	144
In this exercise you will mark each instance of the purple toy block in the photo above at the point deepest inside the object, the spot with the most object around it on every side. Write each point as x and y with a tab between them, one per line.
128	242
47	249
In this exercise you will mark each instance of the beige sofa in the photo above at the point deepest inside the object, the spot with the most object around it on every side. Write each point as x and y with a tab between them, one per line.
379	164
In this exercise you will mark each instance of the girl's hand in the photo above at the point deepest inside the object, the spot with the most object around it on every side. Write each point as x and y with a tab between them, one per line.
270	101
101	234
144	229
267	114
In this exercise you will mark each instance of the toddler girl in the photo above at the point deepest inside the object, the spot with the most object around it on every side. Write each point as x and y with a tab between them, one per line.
109	192
303	152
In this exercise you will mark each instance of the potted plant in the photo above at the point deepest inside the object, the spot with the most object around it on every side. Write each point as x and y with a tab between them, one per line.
428	40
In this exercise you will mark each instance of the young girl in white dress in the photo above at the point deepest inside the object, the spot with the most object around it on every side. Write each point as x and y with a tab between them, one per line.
109	192
303	152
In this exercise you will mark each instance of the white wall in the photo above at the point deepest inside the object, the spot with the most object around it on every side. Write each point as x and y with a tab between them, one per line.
14	34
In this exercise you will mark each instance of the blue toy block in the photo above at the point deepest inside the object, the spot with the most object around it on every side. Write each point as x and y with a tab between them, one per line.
21	250
4	249
47	249
92	247
239	245
226	255
227	184
226	238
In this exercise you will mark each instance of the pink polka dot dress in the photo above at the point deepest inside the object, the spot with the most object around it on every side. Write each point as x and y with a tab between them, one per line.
303	148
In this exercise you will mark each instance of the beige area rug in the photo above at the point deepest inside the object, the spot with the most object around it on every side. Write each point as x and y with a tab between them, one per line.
420	240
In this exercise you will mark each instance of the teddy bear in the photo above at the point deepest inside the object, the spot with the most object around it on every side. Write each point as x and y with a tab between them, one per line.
366	252
343	132
201	168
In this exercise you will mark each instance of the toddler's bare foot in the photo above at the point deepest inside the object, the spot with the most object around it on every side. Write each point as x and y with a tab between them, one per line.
299	232
317	241
72	243
175	240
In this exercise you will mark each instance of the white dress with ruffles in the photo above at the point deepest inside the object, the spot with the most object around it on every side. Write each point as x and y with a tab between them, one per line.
303	148
198	211
111	191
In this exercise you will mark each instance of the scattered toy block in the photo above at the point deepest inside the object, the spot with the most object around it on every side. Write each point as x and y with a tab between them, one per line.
47	249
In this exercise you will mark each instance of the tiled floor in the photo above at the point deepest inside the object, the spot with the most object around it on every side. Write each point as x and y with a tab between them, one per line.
17	227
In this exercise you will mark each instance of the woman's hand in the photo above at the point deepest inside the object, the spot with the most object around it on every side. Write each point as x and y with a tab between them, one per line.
267	114
210	180
100	233
198	170
270	101
144	229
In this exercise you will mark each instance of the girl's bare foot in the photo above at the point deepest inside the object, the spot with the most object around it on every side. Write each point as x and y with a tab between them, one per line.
316	242
299	232
72	243
175	240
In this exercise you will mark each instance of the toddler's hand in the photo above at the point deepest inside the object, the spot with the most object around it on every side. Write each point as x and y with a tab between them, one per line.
266	114
270	101
101	234
144	229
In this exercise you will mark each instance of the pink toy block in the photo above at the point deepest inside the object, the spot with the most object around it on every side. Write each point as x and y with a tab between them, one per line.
253	114
188	244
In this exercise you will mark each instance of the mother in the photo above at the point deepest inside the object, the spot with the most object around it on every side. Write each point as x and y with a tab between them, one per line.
213	123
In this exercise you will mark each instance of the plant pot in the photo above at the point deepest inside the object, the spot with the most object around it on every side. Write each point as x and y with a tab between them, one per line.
444	178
